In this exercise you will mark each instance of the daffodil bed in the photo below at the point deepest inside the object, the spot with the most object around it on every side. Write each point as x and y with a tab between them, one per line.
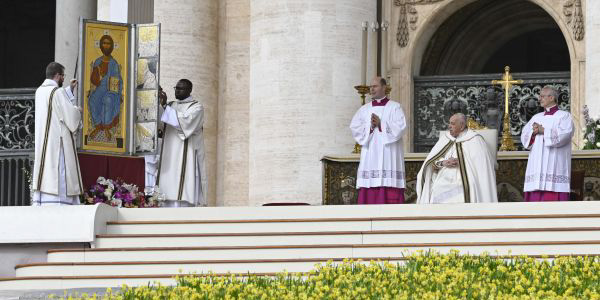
420	276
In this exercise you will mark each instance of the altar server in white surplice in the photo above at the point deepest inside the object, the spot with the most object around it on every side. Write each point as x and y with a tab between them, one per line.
56	174
548	135
181	172
459	168
378	127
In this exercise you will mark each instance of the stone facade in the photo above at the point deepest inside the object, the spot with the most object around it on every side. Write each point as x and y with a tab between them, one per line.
276	79
233	120
66	45
303	66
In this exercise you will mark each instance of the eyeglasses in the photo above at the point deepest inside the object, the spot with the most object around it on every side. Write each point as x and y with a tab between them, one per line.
544	96
178	88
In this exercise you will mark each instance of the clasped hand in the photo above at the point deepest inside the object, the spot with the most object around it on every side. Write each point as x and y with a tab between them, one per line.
538	129
450	162
375	121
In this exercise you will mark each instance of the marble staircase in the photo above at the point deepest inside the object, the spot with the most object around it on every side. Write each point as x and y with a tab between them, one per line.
154	245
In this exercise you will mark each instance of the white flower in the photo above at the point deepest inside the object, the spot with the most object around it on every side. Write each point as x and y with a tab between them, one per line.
585	141
101	180
132	188
598	144
116	202
598	126
151	202
108	192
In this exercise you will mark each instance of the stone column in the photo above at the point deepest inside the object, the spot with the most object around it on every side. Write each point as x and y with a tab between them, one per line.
189	49
304	63
126	11
66	47
592	57
234	78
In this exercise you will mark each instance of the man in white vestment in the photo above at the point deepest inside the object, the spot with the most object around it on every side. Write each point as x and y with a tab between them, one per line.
548	135
181	172
378	127
56	174
459	168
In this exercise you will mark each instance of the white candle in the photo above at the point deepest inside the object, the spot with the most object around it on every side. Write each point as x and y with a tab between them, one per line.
374	29
384	49
363	62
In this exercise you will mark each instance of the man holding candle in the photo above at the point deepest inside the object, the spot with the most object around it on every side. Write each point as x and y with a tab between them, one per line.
378	127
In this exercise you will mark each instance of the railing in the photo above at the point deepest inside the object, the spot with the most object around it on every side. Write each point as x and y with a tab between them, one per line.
17	123
438	97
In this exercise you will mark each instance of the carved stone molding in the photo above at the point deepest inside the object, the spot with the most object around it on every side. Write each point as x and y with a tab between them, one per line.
408	18
574	15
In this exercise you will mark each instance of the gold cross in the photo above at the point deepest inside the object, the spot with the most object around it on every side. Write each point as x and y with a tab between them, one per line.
507	82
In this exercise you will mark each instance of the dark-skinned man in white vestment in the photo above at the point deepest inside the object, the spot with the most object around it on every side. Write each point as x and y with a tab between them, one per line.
181	172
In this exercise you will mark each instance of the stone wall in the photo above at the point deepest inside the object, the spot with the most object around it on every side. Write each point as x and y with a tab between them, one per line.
233	119
189	49
304	62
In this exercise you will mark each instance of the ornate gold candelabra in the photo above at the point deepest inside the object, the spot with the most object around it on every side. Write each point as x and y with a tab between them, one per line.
362	91
507	83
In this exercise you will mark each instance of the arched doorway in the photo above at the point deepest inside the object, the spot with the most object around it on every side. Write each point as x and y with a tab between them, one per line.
470	48
485	35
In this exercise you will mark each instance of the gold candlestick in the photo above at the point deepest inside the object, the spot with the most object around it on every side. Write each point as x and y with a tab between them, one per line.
362	91
507	83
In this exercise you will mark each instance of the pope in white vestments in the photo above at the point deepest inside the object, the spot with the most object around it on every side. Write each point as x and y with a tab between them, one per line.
56	174
459	168
548	137
378	127
181	171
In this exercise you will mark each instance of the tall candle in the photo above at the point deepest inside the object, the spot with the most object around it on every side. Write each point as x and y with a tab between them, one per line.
384	49
374	29
363	61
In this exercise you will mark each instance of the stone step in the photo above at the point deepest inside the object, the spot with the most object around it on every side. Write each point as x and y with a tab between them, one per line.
349	237
184	267
351	224
315	251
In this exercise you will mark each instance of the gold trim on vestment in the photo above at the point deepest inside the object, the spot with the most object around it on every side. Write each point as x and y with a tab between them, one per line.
43	159
434	158
182	177
162	147
463	172
76	163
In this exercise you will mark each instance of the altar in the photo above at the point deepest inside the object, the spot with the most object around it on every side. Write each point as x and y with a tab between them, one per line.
339	176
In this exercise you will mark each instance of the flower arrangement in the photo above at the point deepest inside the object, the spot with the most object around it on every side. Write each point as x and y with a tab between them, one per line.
118	193
591	132
423	275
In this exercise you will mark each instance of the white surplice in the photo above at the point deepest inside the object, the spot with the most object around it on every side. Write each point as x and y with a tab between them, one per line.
549	163
181	172
56	174
472	181
382	156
